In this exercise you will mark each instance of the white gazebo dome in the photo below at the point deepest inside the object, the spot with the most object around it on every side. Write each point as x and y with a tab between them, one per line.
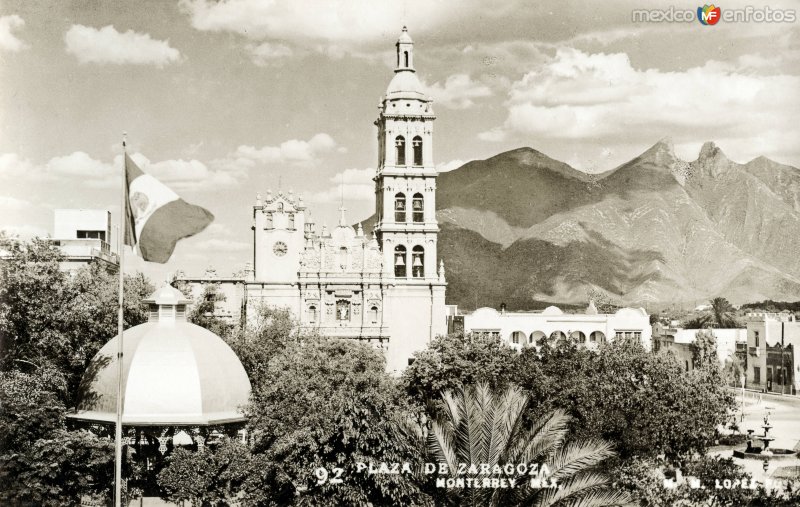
173	373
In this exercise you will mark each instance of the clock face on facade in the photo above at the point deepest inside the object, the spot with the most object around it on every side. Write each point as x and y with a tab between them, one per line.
280	248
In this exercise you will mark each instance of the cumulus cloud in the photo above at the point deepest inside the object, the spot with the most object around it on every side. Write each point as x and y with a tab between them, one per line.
8	41
180	174
107	45
269	53
355	184
576	95
457	92
293	151
352	20
93	173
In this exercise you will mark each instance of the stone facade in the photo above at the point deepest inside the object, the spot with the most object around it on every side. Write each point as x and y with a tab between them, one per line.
386	288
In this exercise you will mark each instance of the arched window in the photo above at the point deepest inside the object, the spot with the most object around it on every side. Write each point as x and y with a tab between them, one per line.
416	143
400	261
312	314
400	144
280	207
418	208
400	208
291	220
269	221
405	54
418	262
373	315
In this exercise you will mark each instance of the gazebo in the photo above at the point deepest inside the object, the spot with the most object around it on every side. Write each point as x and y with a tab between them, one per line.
182	385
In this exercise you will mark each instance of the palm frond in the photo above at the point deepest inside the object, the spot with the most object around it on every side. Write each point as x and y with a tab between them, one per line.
573	487
601	498
505	419
578	456
544	437
440	441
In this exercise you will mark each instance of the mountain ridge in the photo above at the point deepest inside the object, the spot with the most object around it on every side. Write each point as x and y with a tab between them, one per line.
524	229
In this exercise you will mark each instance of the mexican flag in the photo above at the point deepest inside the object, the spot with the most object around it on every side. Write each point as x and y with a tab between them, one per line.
156	217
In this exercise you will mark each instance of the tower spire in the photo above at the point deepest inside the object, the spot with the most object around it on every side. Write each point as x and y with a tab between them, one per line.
405	52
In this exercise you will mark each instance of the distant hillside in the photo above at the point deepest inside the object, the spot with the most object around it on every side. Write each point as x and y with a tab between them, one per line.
523	229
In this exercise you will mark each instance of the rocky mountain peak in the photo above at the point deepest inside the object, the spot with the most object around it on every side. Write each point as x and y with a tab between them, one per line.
661	154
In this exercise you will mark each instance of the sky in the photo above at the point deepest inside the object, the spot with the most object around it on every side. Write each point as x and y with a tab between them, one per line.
224	99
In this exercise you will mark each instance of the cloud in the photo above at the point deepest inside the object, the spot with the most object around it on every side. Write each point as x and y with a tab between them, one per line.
317	20
107	45
8	41
191	174
457	92
354	184
79	165
602	98
269	53
444	167
293	151
92	173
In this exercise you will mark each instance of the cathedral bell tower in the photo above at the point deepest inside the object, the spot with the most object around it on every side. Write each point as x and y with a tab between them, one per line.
405	183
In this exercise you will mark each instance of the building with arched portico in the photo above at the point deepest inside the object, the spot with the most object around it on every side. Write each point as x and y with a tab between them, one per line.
533	329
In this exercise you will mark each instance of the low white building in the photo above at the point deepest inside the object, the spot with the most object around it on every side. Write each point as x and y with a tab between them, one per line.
552	324
83	235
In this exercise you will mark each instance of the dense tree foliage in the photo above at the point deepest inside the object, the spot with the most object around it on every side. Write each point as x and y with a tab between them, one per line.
51	319
697	480
207	477
41	463
328	405
455	359
603	390
51	324
202	310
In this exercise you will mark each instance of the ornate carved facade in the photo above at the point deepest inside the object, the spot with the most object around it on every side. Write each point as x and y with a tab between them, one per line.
385	287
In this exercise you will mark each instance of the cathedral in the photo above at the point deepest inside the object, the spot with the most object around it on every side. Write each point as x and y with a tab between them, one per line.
385	288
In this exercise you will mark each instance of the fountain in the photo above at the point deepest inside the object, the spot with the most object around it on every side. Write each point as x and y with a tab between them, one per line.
764	452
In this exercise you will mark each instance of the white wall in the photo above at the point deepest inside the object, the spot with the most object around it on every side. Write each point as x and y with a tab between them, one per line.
67	222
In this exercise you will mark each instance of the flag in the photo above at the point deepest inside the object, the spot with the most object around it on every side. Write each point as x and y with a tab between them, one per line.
156	217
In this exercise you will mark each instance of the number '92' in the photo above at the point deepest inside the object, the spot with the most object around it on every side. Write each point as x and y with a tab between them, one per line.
324	476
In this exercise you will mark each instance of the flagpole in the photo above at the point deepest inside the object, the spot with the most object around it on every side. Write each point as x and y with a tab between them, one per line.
121	253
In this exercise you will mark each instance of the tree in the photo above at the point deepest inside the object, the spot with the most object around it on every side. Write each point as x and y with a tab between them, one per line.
604	391
326	405
721	314
42	463
207	477
272	330
51	325
202	312
480	427
733	370
51	320
704	348
454	360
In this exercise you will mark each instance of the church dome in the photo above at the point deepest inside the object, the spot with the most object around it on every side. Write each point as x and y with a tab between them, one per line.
173	373
405	84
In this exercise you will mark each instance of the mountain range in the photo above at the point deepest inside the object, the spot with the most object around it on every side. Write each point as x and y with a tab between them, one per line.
524	229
